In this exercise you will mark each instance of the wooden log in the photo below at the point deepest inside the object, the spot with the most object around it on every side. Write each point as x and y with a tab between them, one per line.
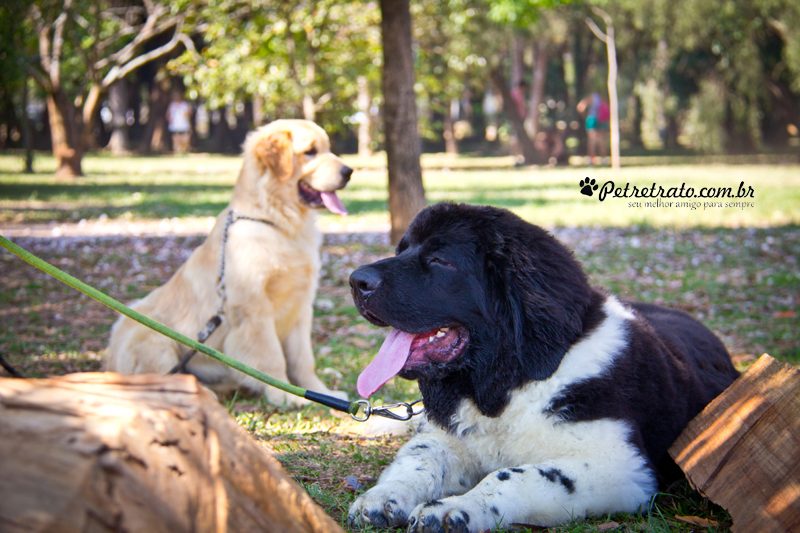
106	452
743	450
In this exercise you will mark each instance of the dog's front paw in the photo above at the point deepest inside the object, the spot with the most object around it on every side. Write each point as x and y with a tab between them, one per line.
380	507
447	516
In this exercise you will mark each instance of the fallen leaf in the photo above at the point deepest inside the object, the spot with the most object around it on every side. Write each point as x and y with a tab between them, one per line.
697	521
784	314
608	526
358	342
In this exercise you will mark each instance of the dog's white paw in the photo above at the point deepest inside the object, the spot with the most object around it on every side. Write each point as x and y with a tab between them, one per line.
447	516
381	506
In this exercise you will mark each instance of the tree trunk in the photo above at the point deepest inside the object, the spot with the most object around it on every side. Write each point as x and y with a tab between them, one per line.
105	452
450	145
529	152
118	102
613	99
258	110
27	134
365	125
155	135
309	108
64	134
540	61
90	114
612	95
636	131
580	59
220	132
406	193
518	60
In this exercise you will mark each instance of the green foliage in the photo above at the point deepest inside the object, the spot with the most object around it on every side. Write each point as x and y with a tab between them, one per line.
704	124
12	45
285	52
446	59
521	13
302	58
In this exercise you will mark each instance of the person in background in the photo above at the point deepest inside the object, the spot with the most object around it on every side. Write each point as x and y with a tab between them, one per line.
179	114
597	115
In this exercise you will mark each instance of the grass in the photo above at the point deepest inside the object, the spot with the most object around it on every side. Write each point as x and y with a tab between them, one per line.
199	186
735	269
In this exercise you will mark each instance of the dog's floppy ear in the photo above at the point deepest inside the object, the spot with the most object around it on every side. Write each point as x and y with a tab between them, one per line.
541	302
275	153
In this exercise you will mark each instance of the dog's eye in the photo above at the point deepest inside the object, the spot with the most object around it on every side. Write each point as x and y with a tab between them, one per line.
311	152
439	261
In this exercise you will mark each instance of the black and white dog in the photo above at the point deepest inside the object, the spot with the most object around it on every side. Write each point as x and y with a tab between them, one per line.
545	399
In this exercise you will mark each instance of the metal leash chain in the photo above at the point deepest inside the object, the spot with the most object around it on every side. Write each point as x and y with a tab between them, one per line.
214	322
386	411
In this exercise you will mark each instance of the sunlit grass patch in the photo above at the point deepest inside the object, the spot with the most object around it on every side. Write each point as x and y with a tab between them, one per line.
200	185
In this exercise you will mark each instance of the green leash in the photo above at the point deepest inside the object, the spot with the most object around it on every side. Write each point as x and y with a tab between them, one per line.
352	408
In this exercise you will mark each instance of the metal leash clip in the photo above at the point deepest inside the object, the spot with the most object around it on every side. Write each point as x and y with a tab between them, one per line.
386	411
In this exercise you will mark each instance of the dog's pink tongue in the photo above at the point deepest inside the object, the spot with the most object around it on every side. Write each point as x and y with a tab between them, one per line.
333	203
388	363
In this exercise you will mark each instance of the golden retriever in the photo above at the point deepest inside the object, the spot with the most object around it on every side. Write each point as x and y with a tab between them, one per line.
271	272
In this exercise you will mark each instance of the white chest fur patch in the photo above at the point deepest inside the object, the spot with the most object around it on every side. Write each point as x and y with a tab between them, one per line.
527	465
526	433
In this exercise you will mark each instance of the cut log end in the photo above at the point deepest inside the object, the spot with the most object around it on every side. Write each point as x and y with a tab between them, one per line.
743	450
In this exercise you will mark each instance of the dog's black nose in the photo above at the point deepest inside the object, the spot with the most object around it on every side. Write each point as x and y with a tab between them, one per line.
364	280
346	172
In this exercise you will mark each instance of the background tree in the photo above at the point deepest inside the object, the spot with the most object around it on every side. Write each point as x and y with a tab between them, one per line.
13	78
297	58
83	49
406	194
609	40
523	16
682	83
444	63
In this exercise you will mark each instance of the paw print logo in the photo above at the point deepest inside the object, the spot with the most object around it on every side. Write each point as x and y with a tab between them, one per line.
588	186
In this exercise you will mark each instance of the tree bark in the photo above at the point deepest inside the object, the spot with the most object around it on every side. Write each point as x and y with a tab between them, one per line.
155	135
529	152
406	192
518	60
64	134
258	110
613	99
636	132
365	125
612	94
118	102
105	452
540	60
309	107
450	145
27	134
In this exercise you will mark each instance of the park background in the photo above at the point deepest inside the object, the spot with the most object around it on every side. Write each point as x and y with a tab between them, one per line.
708	96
